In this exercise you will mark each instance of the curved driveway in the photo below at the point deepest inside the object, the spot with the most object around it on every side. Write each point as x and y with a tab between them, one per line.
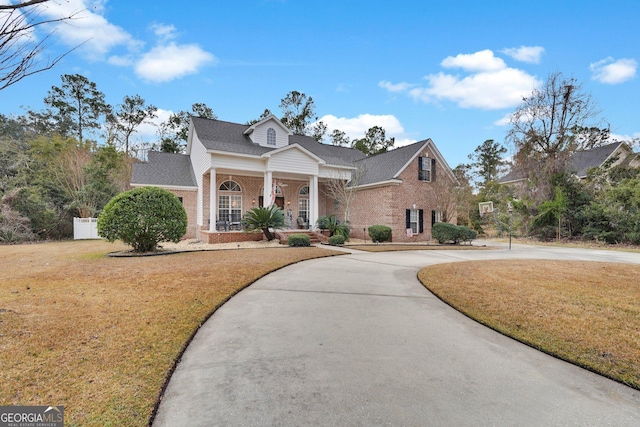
356	340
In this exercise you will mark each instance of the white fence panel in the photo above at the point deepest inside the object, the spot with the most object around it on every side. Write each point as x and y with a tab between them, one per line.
85	228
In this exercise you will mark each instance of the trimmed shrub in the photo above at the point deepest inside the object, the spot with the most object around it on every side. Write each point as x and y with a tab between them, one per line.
298	240
336	240
380	233
142	218
466	234
445	232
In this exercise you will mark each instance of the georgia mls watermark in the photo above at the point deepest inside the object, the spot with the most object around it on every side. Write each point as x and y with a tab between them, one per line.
31	416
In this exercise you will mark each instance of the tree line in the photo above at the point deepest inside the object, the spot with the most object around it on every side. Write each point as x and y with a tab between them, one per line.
70	158
549	202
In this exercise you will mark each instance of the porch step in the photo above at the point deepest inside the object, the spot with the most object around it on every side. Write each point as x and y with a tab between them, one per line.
313	236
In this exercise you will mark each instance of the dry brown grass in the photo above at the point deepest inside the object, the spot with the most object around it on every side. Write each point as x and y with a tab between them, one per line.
584	312
100	334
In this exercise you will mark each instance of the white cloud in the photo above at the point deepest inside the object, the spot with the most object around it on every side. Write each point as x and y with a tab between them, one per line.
490	83
356	127
483	60
164	32
529	54
613	72
166	61
172	61
504	121
489	91
149	130
398	87
87	28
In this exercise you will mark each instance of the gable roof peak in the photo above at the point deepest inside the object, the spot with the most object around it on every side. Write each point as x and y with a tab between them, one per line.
272	118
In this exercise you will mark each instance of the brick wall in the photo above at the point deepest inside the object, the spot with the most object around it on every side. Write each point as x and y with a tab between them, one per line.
387	205
190	205
229	237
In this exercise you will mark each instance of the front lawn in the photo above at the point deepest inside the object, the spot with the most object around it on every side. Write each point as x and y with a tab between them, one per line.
99	335
584	312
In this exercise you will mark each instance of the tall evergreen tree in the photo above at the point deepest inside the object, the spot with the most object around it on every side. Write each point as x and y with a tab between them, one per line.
486	161
76	106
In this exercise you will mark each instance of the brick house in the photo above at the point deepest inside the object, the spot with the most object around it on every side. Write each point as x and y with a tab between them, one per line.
229	168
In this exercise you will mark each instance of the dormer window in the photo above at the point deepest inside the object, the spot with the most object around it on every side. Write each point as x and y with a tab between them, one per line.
271	136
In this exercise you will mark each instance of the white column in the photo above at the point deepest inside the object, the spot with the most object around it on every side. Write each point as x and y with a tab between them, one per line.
213	200
313	201
268	183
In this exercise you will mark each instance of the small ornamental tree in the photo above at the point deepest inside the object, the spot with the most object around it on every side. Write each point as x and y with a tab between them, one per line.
142	218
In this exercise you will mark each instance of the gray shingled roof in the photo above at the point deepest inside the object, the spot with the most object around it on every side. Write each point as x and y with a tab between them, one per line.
164	169
176	169
385	166
333	155
226	136
579	163
582	161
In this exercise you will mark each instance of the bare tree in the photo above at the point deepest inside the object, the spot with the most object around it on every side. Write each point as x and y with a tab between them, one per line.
445	197
548	127
344	191
20	52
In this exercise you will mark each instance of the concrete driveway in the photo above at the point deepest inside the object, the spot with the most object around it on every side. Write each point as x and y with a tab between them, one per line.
356	340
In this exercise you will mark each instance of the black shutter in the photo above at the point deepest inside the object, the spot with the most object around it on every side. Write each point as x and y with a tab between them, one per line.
421	221
408	221
433	169
420	172
433	217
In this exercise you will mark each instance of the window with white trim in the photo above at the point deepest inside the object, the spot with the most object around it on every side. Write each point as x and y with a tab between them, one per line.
303	203
230	202
413	220
271	136
426	167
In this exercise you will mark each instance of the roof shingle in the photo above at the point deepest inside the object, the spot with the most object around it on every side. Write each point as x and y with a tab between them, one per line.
164	169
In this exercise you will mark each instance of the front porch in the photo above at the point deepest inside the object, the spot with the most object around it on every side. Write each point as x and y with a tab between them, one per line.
216	237
226	196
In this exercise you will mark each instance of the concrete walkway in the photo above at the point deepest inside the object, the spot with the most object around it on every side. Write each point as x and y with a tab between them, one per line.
356	340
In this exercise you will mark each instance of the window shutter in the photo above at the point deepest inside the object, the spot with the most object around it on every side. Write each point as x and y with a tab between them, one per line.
433	217
420	173
421	221
408	219
433	169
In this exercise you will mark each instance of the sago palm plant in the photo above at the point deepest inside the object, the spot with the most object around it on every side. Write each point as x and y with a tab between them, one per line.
264	218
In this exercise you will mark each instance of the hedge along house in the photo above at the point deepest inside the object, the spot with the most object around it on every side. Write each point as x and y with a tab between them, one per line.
229	168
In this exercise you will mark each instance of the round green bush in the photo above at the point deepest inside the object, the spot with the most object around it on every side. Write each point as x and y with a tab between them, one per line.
380	233
336	240
466	234
445	232
299	240
142	218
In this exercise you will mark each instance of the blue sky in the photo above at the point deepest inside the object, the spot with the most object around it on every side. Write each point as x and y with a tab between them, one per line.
451	71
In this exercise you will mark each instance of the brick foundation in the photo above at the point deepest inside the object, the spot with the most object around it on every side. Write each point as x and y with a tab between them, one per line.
229	237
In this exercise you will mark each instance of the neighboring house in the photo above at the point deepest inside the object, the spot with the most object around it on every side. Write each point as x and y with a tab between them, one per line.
614	154
230	168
